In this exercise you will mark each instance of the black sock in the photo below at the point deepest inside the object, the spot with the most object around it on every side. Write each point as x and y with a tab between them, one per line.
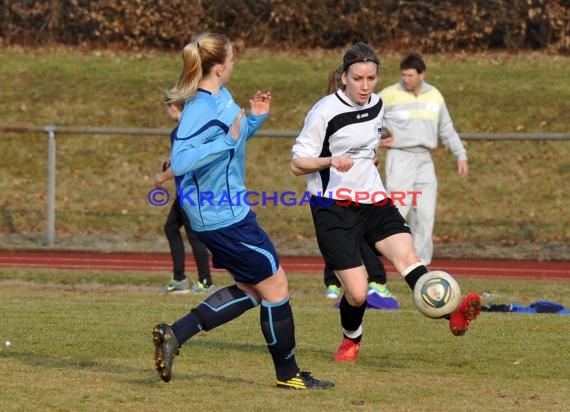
412	277
351	319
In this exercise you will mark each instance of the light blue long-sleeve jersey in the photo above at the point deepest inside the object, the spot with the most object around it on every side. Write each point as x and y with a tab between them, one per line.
211	163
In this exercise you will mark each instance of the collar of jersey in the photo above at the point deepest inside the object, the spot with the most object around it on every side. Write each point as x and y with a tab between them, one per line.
343	98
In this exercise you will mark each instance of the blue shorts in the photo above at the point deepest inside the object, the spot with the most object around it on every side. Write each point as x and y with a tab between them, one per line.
244	249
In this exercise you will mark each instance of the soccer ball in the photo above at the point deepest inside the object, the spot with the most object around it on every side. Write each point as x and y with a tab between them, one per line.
437	294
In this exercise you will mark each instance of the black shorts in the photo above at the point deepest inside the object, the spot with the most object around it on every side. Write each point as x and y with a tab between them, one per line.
340	229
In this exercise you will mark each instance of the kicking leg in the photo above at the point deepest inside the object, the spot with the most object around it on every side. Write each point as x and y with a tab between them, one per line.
399	250
219	308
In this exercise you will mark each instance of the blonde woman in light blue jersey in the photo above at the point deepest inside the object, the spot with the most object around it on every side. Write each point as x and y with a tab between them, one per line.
208	154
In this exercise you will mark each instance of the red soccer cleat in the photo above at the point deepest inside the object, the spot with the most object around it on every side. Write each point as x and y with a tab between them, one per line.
347	351
467	311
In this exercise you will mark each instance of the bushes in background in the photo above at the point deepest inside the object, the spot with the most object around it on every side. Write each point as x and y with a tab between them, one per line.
430	26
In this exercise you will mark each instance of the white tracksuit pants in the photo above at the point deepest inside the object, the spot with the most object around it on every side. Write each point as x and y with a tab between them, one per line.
406	172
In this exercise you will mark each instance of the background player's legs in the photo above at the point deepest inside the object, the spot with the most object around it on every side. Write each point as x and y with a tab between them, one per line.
172	230
424	211
373	264
401	172
377	279
179	282
201	256
332	284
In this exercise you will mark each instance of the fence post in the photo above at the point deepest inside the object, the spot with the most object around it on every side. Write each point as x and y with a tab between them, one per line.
50	130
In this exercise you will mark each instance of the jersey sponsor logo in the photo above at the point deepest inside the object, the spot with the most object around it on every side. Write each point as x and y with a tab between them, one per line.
379	129
362	115
362	152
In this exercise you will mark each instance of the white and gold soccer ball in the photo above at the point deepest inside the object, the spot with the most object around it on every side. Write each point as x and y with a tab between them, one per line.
437	294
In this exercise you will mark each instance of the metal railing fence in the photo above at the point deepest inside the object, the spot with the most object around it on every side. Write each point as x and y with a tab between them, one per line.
51	130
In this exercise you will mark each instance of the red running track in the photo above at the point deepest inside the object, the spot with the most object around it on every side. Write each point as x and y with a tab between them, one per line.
522	269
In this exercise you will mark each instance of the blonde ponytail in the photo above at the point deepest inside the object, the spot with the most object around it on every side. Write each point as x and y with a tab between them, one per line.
198	56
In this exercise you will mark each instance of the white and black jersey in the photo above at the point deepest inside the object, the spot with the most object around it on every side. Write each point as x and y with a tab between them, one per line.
337	127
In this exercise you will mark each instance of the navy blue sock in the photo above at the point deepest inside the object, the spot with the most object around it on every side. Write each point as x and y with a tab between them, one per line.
220	307
186	327
278	329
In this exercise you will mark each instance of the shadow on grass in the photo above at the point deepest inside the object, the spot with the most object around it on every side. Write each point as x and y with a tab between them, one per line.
149	378
321	352
197	378
33	359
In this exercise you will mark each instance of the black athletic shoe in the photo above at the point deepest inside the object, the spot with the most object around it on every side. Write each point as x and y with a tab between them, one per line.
165	349
304	380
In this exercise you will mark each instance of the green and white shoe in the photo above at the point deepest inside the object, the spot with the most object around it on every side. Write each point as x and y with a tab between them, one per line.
202	287
175	287
333	292
381	290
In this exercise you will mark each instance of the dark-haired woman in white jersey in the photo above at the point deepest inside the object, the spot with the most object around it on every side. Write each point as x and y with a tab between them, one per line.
336	151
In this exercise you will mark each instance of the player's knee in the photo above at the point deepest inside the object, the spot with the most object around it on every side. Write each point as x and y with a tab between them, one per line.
357	299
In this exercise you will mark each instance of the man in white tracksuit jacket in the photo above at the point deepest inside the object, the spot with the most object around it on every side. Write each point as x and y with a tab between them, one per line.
416	115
